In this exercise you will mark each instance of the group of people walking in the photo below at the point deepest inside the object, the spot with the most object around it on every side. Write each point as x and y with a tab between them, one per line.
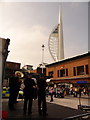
31	90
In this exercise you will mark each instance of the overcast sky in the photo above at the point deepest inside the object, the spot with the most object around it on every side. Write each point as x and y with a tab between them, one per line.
28	25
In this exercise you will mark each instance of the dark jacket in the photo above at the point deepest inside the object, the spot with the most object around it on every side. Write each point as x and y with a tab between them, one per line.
41	84
14	84
29	87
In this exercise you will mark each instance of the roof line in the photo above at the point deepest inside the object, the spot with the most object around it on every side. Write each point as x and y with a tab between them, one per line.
68	59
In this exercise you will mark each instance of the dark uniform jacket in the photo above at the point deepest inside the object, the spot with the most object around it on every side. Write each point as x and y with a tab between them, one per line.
29	90
14	84
41	83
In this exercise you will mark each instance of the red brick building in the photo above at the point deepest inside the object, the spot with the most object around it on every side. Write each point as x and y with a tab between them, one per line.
10	68
75	70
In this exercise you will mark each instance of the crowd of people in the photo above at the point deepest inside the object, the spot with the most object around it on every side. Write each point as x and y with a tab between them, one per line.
61	92
38	89
79	91
32	89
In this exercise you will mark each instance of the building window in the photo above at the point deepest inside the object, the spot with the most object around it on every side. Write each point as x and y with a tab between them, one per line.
86	67
62	73
50	73
66	72
58	73
80	70
74	71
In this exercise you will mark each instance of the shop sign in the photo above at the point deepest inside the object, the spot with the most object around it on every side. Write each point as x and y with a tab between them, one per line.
81	82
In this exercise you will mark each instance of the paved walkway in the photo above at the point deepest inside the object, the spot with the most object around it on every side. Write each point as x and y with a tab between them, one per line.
54	111
70	101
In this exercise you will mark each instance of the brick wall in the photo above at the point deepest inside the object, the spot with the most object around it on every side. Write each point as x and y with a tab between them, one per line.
69	65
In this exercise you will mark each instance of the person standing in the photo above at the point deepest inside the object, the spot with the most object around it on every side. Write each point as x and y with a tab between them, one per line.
18	76
41	87
79	91
51	93
28	94
14	85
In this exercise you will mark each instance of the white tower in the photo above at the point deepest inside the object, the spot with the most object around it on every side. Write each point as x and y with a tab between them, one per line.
56	45
60	38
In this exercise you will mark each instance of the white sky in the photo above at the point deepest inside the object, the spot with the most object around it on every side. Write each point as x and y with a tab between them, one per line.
28	25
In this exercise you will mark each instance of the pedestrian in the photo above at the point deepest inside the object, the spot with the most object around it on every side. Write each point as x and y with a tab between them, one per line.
75	92
14	86
55	91
79	91
19	82
51	93
41	87
28	94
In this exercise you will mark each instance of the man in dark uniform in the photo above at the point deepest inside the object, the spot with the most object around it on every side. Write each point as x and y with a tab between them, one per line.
41	86
28	93
14	85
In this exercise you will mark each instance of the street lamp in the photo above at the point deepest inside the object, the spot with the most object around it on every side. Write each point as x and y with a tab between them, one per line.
43	57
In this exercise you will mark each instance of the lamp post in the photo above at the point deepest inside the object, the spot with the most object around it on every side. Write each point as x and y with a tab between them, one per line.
42	57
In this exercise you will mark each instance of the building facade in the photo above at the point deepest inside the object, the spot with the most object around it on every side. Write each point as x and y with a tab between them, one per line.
75	70
11	67
4	43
